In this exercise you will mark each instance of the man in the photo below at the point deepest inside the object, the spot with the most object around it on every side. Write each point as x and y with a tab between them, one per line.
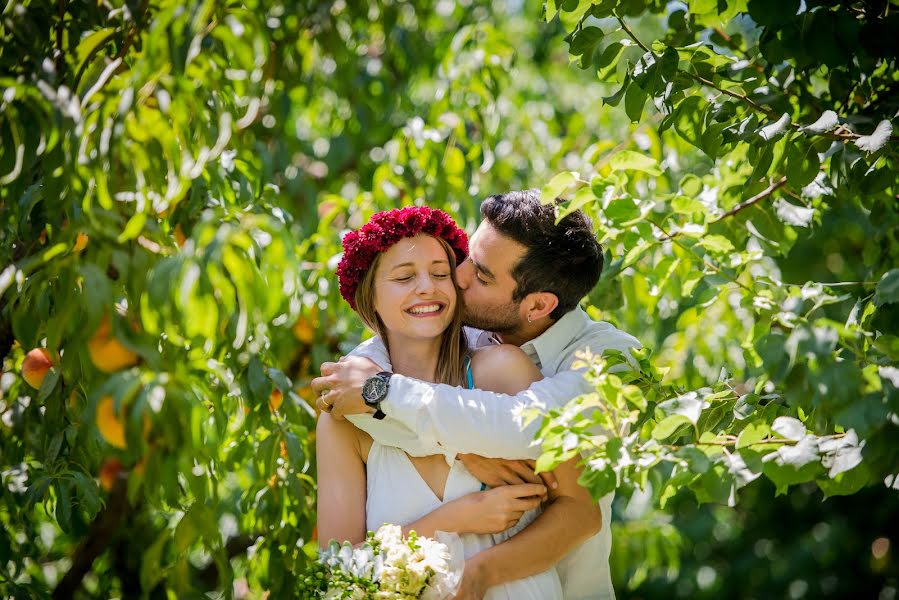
521	284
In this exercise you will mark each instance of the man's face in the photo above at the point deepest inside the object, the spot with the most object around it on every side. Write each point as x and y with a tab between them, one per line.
485	279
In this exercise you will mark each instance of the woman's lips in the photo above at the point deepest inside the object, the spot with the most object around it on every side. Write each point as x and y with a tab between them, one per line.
430	309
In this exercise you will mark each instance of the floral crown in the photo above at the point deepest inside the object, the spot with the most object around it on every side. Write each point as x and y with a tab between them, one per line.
385	229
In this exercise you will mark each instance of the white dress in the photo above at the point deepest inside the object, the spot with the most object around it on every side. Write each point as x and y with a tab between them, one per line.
397	494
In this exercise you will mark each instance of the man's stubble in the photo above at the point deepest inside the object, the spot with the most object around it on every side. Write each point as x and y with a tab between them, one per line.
498	319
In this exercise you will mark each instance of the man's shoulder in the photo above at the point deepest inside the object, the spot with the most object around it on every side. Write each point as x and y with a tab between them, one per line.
599	335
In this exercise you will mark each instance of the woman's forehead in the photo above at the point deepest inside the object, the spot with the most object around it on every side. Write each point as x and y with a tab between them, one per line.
421	248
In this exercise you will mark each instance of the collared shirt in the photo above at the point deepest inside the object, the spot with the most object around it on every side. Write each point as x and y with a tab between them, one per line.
426	419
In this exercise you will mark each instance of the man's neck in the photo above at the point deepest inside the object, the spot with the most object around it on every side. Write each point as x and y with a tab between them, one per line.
525	334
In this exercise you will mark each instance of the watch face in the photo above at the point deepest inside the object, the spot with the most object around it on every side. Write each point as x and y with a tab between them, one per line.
374	389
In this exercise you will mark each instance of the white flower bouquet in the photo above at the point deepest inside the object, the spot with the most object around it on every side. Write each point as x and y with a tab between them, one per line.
387	566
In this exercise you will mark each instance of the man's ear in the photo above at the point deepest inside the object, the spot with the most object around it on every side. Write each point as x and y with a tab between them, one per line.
541	305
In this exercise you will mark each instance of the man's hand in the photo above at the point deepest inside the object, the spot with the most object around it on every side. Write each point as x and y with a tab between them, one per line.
339	389
474	581
499	471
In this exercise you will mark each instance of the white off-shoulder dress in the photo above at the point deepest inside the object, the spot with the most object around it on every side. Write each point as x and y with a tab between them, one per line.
397	494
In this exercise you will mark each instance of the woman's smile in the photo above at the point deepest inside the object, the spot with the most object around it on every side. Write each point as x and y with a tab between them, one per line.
426	309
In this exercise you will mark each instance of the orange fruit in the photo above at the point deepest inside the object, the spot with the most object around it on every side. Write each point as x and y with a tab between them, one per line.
111	427
107	353
81	241
35	367
179	235
275	400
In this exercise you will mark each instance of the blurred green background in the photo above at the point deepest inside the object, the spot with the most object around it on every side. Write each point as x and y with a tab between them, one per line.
214	153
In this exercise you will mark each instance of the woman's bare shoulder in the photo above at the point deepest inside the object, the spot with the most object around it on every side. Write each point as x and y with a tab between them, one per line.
331	431
503	368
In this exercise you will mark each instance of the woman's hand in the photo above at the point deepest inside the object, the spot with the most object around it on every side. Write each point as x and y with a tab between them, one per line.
495	510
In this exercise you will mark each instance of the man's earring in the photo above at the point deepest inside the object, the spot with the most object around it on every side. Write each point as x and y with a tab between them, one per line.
529	318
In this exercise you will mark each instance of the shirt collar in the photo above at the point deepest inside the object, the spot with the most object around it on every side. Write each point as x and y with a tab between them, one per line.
549	346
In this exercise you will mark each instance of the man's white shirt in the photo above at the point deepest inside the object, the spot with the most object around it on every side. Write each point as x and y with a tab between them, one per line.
425	419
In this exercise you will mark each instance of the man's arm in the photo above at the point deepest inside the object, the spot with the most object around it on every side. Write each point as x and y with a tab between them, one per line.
571	518
447	419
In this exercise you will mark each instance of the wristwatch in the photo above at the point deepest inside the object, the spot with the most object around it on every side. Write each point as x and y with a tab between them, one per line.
374	390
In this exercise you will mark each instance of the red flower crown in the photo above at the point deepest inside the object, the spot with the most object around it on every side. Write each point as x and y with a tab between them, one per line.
385	229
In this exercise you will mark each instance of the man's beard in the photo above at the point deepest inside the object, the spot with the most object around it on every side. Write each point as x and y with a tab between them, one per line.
498	319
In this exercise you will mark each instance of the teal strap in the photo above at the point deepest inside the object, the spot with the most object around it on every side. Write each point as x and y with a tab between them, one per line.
469	378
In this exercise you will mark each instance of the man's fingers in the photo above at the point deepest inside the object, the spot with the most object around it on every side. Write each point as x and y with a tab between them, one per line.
328	368
524	472
322	384
323	405
549	479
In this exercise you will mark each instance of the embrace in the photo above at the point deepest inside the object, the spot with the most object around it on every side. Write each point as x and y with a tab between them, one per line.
467	335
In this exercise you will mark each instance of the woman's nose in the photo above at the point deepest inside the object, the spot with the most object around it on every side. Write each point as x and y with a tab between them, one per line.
424	283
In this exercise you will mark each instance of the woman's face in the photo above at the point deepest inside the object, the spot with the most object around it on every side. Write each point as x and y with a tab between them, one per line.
414	292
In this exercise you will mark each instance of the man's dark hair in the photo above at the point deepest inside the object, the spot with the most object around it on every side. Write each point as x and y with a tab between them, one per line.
562	258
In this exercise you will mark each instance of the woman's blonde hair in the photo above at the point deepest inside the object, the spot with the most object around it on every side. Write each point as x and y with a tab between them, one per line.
453	346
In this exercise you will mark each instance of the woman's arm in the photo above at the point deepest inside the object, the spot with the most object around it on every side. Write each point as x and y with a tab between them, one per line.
341	481
490	511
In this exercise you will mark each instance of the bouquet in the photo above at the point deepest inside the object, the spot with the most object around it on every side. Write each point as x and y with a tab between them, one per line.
387	566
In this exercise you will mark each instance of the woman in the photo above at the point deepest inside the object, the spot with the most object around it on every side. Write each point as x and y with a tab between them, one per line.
398	273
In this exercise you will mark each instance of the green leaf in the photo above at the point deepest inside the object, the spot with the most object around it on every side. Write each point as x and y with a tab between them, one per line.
63	506
690	185
628	160
454	161
557	186
607	63
49	384
887	290
634	100
133	228
752	433
584	42
91	44
687	120
717	244
878	139
687	206
615	98
622	210
772	12
88	493
582	198
801	164
668	426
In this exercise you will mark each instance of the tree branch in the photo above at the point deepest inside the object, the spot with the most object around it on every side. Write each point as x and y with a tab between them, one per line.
844	137
101	530
755	199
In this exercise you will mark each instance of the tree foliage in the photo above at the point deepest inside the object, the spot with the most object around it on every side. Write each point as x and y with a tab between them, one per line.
174	178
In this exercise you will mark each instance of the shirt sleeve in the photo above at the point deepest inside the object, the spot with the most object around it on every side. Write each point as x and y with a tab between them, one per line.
448	419
388	431
374	350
